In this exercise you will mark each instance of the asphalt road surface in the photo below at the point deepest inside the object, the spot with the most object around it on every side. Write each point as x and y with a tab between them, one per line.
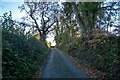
61	66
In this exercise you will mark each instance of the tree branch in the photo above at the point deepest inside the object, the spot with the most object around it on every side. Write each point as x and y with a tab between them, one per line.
50	30
79	18
37	26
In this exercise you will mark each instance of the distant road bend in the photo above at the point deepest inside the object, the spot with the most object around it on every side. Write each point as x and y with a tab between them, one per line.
61	66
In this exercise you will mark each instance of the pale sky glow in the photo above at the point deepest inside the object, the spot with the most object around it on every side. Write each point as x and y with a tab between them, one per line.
12	0
12	5
7	6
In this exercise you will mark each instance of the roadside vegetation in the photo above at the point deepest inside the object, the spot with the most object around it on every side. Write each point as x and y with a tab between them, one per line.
89	32
88	36
22	54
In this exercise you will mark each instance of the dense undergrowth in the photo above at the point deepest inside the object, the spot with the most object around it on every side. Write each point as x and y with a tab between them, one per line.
22	56
103	55
101	52
85	38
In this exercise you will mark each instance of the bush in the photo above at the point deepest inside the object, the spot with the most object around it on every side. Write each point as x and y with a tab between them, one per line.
104	56
22	56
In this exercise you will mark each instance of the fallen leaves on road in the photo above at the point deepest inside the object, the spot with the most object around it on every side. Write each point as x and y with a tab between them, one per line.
94	73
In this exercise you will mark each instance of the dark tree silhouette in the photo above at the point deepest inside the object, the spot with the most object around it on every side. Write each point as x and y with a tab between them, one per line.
42	15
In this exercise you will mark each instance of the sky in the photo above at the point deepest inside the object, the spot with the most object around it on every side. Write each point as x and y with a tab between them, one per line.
17	15
12	5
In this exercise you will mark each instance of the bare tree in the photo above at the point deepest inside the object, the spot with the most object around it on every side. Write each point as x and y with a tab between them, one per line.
42	14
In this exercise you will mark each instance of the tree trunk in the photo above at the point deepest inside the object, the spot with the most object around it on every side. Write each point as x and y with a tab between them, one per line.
79	20
78	17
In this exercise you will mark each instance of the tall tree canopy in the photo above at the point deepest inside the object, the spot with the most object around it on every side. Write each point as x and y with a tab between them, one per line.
41	15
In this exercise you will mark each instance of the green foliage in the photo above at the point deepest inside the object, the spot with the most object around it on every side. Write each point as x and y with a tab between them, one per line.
22	56
89	12
95	45
107	55
102	54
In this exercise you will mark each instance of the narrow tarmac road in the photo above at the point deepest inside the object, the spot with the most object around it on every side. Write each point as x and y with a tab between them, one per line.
61	66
